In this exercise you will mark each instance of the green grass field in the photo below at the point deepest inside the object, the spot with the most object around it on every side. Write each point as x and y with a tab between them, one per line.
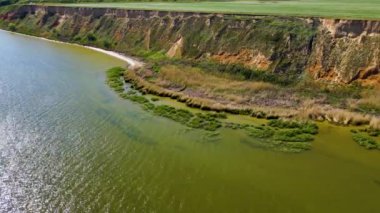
350	9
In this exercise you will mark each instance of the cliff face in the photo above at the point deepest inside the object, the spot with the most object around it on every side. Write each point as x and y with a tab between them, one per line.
346	50
337	50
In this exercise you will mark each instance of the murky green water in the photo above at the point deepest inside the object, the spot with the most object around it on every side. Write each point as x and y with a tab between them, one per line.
67	142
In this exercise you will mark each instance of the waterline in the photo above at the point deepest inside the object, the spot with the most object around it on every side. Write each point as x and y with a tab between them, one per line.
132	62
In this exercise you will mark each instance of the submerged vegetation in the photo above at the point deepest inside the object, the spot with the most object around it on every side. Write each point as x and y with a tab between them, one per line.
114	79
216	74
280	135
368	138
206	121
206	88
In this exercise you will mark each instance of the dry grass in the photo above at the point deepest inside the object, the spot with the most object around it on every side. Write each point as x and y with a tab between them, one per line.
375	123
221	93
370	98
314	111
211	85
139	79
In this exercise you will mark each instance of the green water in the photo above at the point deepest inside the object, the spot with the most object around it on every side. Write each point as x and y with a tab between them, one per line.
68	143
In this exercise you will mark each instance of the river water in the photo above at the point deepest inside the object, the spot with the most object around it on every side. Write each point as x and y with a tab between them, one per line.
68	143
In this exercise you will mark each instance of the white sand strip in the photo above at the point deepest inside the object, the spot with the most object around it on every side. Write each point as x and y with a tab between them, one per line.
133	63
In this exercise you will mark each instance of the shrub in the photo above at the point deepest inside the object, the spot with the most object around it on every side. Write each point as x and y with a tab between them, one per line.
77	38
12	27
107	44
91	37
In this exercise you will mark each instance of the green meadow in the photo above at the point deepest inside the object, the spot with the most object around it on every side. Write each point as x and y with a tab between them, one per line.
351	9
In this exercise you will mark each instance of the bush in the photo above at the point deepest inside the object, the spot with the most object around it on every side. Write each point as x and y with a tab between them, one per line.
12	27
107	44
6	2
77	38
91	37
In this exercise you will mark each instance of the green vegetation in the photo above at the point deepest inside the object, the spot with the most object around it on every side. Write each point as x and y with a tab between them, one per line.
281	135
91	37
261	132
7	2
369	108
333	94
238	70
206	121
363	9
367	138
293	135
302	127
12	27
114	79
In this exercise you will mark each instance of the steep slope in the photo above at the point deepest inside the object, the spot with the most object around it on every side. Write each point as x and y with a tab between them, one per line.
335	50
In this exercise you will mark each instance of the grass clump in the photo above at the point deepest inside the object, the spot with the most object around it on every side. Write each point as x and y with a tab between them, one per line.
179	115
261	132
366	137
12	27
369	108
154	99
114	79
365	140
231	125
280	135
207	121
292	135
302	127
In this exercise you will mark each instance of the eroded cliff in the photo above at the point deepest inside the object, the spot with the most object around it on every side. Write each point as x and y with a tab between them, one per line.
336	50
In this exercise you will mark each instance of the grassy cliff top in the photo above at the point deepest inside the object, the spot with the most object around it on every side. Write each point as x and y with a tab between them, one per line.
345	9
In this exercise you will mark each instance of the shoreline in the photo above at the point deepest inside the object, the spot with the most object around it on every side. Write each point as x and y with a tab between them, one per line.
320	113
336	116
132	62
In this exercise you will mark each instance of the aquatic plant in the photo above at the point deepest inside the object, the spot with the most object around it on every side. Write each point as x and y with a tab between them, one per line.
114	79
154	99
304	127
261	132
280	135
365	141
292	135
